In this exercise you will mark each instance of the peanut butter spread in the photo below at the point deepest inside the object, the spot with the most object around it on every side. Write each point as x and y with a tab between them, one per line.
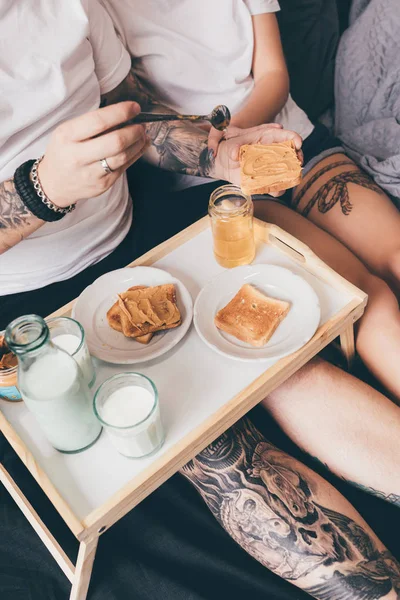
141	311
269	168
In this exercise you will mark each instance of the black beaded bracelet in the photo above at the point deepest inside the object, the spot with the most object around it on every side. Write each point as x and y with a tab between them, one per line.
26	191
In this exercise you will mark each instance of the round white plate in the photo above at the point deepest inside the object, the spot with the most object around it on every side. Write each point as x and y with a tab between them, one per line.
293	332
112	346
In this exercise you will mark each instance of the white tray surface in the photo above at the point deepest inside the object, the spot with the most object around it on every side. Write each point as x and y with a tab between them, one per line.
193	383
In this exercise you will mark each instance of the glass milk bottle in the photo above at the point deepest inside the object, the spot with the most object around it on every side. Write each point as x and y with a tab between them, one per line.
52	386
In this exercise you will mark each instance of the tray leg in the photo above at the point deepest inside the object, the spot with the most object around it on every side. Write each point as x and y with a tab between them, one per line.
348	345
83	569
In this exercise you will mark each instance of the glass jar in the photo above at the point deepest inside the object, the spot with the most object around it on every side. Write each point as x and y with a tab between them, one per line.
9	385
69	335
127	405
52	386
231	214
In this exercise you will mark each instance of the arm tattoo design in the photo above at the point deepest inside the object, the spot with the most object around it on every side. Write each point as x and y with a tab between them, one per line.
14	215
335	190
181	147
174	145
261	497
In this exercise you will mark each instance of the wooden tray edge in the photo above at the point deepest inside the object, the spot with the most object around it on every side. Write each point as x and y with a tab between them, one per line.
141	486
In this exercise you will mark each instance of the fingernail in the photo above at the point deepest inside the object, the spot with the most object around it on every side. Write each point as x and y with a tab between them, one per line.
211	154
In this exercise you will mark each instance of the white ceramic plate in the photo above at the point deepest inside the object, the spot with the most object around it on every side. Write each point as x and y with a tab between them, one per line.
112	346
295	330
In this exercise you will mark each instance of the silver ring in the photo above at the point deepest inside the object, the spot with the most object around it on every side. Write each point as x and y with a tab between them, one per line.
106	167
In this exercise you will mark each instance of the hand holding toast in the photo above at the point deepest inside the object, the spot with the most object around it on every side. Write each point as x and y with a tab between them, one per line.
227	164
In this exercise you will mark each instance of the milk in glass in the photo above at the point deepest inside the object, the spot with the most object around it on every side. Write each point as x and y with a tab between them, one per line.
52	386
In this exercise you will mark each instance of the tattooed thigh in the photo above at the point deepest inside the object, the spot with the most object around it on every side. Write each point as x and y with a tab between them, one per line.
328	185
268	503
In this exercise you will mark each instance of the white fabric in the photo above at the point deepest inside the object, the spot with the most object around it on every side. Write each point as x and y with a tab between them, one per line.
56	58
195	55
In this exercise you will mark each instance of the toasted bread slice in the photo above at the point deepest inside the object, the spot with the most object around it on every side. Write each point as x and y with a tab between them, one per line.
251	316
146	310
114	318
144	339
269	169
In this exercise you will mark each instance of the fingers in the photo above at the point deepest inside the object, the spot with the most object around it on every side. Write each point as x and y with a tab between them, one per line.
120	160
112	144
262	135
282	135
134	158
98	121
233	132
277	194
214	138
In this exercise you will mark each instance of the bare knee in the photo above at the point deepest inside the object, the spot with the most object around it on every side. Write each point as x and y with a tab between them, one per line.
316	374
381	299
382	310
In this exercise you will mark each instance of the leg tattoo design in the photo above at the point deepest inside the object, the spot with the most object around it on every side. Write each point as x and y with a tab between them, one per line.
262	499
335	190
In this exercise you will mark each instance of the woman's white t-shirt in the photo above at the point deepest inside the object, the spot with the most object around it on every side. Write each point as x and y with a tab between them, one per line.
56	58
195	55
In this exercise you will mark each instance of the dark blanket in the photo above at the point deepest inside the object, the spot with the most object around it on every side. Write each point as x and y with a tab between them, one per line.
310	31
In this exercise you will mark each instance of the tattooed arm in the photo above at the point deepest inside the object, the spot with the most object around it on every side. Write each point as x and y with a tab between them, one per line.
174	145
70	170
16	221
182	147
291	520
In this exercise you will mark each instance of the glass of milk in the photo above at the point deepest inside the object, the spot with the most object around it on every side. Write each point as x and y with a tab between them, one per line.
69	335
52	386
127	406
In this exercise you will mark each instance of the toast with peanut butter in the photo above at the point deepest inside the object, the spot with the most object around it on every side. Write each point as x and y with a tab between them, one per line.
114	318
269	169
141	311
252	316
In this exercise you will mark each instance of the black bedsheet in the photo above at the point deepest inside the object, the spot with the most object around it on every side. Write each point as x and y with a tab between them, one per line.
310	31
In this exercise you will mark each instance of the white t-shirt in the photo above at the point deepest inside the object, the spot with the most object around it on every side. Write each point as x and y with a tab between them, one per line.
195	55
56	58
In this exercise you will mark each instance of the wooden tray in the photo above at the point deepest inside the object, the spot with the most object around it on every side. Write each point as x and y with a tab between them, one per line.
93	490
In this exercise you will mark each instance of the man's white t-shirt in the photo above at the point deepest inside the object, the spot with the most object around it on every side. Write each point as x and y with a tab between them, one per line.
56	58
195	55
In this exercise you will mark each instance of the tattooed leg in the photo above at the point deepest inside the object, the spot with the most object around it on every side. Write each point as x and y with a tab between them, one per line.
364	451
378	332
291	520
342	199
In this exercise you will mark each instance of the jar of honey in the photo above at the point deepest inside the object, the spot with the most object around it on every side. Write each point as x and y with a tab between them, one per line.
231	214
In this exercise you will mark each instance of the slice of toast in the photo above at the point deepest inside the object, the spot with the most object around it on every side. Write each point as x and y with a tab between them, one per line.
146	310
144	339
114	318
251	316
269	169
